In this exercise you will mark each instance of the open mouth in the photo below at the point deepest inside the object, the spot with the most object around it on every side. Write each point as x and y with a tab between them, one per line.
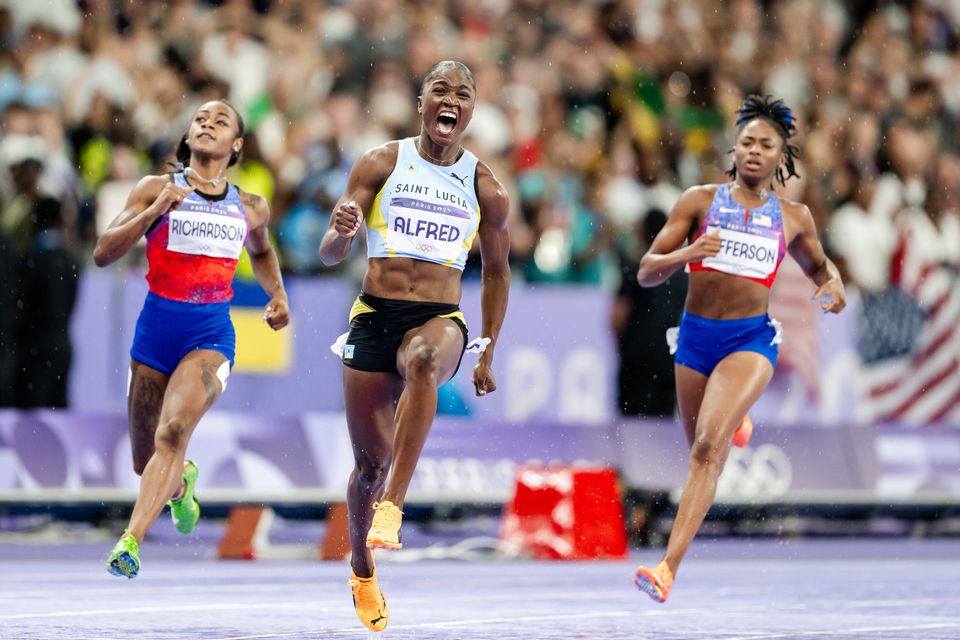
752	164
446	122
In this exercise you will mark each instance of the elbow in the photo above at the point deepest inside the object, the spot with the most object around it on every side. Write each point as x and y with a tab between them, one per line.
100	258
259	256
648	276
645	275
326	259
330	253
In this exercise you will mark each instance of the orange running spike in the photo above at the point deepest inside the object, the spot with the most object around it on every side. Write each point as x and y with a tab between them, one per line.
741	437
656	583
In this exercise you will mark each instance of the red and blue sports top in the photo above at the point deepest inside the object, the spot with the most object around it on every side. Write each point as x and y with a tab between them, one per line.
752	243
192	251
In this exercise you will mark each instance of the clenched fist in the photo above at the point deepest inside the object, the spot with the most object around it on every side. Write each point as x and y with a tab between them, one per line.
170	197
706	246
347	219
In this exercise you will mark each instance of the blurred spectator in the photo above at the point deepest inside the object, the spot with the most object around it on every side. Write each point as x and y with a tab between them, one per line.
864	257
640	318
16	224
41	326
593	112
8	297
306	221
590	113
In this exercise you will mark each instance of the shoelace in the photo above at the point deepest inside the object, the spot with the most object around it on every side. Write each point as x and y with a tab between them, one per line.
129	542
366	597
388	514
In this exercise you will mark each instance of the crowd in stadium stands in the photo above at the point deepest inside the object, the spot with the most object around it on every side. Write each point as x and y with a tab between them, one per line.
591	112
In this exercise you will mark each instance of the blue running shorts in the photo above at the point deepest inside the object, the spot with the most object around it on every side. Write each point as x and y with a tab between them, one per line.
167	330
703	342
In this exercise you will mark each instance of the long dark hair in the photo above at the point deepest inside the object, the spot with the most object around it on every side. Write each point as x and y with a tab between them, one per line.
783	120
183	150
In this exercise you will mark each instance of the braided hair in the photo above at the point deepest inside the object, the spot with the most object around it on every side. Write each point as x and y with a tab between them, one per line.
183	149
780	115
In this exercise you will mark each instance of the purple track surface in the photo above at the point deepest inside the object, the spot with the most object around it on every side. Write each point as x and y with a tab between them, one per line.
845	589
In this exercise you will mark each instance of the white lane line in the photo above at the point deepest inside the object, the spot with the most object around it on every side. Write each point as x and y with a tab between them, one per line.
324	588
193	591
836	632
440	625
336	601
727	635
86	613
97	637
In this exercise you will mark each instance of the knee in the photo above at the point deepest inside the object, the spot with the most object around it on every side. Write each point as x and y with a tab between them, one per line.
422	362
708	452
371	470
172	435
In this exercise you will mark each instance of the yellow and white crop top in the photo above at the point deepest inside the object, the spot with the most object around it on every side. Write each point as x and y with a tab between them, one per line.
425	211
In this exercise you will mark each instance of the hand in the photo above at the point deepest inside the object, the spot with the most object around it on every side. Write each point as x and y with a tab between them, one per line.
347	218
277	313
831	296
170	197
706	246
483	380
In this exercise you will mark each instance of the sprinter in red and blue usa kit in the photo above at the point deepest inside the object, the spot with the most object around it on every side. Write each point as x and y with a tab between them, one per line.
196	226
731	238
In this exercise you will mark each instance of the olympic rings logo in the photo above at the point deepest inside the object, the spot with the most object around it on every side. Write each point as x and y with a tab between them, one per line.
764	472
424	248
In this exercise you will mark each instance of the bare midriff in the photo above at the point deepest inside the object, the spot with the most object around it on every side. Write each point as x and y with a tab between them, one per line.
410	279
722	296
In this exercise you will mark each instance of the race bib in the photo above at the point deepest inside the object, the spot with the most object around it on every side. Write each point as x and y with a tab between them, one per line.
425	229
201	233
744	254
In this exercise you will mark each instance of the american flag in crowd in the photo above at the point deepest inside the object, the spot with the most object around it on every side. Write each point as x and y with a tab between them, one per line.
790	304
909	340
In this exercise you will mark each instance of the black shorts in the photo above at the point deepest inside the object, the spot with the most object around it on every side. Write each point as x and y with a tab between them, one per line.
378	325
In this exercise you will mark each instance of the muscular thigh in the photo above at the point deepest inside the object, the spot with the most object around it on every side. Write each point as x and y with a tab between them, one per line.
370	400
144	401
444	335
194	386
735	384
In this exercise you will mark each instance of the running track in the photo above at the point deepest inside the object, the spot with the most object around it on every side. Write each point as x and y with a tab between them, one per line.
849	589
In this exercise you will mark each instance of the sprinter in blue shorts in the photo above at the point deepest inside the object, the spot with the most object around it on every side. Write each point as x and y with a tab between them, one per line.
196	226
731	237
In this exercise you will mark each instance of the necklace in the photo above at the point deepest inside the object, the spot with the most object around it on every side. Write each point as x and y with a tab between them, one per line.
196	177
442	163
762	195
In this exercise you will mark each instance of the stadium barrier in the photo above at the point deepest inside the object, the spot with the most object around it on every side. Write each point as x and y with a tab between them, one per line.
67	458
552	365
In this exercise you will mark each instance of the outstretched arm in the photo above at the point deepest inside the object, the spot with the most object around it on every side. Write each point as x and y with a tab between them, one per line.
667	253
151	198
495	283
808	252
366	178
263	259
